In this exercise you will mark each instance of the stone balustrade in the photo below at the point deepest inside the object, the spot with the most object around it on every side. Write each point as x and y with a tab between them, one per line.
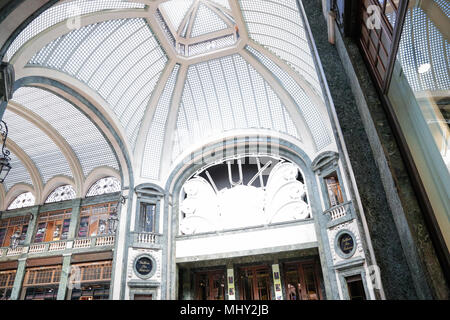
105	241
338	211
38	248
56	246
82	243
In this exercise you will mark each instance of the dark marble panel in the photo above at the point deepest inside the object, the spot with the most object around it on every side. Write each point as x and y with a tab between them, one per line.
396	277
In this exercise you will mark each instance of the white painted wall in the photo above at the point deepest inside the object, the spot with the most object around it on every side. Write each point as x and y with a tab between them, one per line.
250	240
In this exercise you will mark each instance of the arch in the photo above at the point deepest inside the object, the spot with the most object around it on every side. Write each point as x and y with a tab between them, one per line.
324	158
99	116
97	174
28	49
15	191
149	188
59	140
307	149
191	164
35	175
55	182
17	15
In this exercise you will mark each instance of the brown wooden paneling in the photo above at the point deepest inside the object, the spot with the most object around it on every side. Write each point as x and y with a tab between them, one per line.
90	257
11	265
44	261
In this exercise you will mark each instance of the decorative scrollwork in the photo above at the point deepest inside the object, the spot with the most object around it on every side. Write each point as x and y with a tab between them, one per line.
4	133
65	192
104	185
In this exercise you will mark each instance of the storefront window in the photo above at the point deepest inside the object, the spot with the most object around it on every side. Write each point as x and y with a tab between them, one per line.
11	226
41	283
94	220
90	281
53	226
6	283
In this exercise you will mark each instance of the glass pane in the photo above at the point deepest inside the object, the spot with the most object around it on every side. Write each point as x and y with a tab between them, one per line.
40	233
293	283
84	227
2	236
23	234
202	287
420	97
147	217
263	283
334	190
422	51
218	286
310	282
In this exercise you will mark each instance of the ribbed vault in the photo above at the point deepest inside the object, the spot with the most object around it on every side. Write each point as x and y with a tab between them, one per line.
169	75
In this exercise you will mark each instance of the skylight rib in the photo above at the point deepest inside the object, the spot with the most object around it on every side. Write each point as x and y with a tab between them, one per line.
279	27
223	3
176	11
59	13
226	94
18	173
46	155
155	137
206	21
83	136
120	59
310	113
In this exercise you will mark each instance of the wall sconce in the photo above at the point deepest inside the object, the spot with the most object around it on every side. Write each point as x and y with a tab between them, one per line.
4	157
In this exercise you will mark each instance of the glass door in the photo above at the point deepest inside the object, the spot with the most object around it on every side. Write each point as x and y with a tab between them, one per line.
255	283
210	285
302	281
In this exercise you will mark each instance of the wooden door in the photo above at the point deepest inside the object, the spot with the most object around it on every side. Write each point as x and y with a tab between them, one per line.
254	283
210	285
302	281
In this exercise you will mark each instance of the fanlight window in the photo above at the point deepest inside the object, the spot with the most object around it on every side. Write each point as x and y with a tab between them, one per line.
243	192
104	185
25	199
61	193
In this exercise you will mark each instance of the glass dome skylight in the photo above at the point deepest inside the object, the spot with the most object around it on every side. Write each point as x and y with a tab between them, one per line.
194	27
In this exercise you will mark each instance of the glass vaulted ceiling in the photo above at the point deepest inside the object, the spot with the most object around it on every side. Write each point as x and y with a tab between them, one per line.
133	68
194	27
119	59
33	110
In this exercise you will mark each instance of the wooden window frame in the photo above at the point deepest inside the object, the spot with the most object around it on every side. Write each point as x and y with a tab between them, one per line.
56	218
12	225
89	213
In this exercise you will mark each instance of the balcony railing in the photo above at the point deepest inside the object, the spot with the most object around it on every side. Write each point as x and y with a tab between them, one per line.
105	241
16	251
146	238
37	248
338	211
82	243
56	246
